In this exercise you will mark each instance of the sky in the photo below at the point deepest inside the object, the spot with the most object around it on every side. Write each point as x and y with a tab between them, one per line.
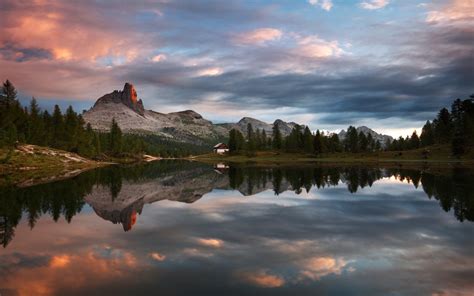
387	64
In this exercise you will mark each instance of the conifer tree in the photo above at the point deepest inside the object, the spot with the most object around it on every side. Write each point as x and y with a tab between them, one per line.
414	141
308	141
264	139
427	135
363	143
115	141
57	124
277	138
318	144
251	145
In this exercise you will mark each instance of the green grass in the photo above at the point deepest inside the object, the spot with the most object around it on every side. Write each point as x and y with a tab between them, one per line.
23	168
438	155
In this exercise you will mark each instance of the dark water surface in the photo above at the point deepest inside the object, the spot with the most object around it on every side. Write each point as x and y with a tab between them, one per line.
185	228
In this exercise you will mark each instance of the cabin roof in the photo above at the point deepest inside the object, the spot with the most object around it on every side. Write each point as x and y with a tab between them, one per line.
220	145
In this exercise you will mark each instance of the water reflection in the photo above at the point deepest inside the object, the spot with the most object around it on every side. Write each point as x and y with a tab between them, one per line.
118	194
305	231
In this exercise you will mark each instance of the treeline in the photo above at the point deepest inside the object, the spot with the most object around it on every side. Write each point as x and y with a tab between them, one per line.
68	131
455	128
301	139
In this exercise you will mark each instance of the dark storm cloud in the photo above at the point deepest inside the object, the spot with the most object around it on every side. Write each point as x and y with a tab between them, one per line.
11	52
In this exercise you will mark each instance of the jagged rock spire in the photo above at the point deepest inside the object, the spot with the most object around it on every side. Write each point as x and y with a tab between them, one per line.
128	96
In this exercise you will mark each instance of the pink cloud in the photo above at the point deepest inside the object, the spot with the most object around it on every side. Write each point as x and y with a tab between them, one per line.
70	31
315	47
262	278
456	10
258	36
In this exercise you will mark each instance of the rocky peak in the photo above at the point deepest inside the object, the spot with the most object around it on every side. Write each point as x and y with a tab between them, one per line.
128	96
191	113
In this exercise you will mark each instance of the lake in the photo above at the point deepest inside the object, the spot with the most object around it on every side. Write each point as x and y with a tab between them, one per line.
187	228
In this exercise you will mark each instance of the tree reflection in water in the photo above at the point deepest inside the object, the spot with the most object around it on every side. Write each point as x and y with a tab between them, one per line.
188	181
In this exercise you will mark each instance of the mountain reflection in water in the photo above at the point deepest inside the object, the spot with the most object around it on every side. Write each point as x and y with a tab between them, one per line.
119	193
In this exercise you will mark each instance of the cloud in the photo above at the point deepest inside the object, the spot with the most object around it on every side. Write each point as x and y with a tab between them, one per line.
324	4
262	279
210	242
60	261
157	256
69	31
374	4
315	47
317	267
158	58
258	36
213	71
456	10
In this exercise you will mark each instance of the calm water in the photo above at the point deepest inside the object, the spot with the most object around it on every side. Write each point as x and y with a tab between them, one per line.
184	228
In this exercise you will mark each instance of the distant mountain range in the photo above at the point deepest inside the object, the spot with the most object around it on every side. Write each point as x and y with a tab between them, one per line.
184	126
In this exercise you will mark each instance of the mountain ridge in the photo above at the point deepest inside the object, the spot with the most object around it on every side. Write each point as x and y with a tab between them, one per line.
187	125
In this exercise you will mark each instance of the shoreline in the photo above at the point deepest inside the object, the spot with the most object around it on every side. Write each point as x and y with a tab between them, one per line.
275	158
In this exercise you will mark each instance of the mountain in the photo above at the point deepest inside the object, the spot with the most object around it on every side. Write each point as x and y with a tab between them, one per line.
365	130
241	125
184	126
132	117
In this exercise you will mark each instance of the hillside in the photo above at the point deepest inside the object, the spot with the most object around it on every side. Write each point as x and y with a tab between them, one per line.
27	165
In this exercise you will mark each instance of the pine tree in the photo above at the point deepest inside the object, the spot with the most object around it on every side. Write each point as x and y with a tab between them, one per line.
277	138
115	141
334	143
363	143
414	141
71	130
352	140
370	142
36	132
258	140
251	145
57	124
443	126
9	91
308	141
427	135
233	140
264	139
317	143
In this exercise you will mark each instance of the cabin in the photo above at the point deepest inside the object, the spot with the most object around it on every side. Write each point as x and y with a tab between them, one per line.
221	148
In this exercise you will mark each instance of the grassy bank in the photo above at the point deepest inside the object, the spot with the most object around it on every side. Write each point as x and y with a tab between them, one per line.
439	155
27	165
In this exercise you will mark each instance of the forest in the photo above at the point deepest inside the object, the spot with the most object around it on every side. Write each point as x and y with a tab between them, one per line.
68	131
454	128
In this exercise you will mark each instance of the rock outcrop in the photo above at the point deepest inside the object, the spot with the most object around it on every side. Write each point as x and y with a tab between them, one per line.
128	96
